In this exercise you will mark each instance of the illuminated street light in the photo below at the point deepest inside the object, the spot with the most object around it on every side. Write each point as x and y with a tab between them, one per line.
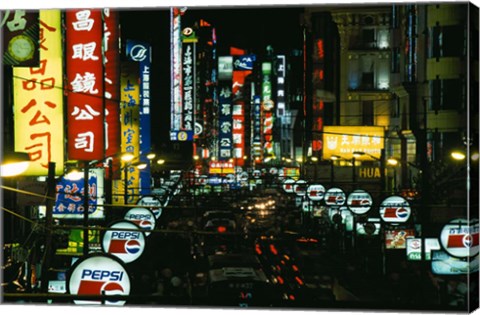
14	164
160	161
392	162
457	155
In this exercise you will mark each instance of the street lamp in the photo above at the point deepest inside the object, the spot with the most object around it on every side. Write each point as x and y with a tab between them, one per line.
393	162
14	163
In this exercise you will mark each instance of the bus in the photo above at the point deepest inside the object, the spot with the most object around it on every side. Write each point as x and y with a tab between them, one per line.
237	280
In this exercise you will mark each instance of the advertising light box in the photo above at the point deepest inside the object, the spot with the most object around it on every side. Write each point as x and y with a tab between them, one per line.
143	217
69	202
397	239
344	140
99	274
125	240
459	238
444	264
359	201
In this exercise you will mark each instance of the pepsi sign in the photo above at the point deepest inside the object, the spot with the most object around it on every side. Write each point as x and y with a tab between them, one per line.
300	187
144	218
395	209
101	275
124	240
153	203
315	192
335	197
288	185
459	238
359	201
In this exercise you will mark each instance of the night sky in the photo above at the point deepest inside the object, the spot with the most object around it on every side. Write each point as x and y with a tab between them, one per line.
251	29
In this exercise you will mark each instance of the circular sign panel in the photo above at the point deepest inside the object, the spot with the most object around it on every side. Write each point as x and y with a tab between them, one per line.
395	209
153	203
300	187
144	218
335	197
126	243
288	185
315	192
98	274
459	238
359	201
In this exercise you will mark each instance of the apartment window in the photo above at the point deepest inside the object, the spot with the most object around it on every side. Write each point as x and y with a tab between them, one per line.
367	80
448	41
368	37
367	113
395	66
447	94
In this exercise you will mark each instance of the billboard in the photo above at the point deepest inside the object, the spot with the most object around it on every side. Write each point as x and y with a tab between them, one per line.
141	53
85	89
188	85
38	101
225	120
257	127
175	70
130	127
344	140
69	201
267	110
397	239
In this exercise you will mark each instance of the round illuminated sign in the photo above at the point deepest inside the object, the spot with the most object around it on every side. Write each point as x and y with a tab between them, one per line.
153	203
124	240
288	185
359	201
144	218
459	238
335	197
182	136
187	31
300	187
99	274
395	209
315	192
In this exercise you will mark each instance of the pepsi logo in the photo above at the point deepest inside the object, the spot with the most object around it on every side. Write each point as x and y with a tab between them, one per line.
146	225
339	200
402	213
467	240
112	289
132	246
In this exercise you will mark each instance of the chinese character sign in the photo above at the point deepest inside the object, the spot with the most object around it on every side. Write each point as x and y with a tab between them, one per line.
112	85
140	52
188	86
257	127
175	70
130	123
69	202
344	140
225	120
84	65
38	106
267	110
20	37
